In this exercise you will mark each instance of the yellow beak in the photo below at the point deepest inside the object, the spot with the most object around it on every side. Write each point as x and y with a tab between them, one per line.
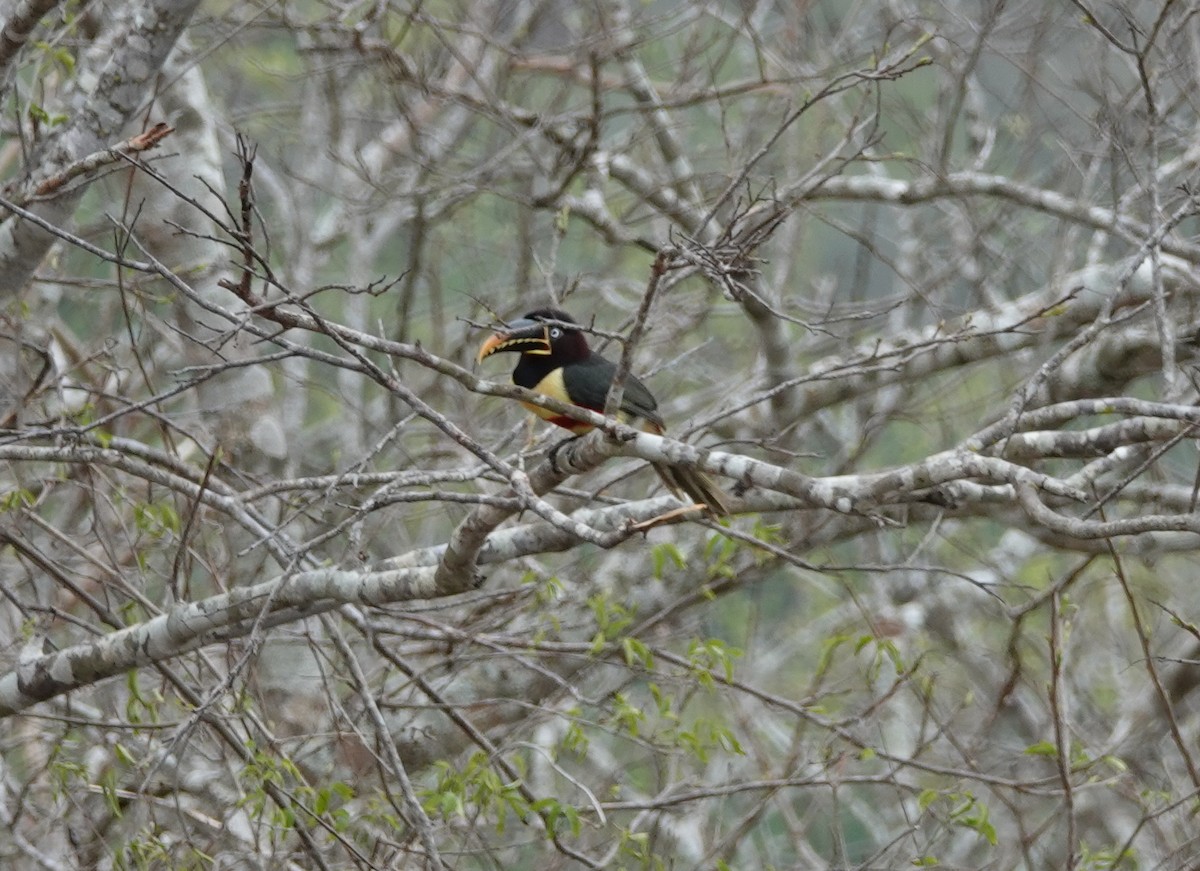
525	336
490	347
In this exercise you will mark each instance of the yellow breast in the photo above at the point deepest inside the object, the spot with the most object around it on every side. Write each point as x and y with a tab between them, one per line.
552	385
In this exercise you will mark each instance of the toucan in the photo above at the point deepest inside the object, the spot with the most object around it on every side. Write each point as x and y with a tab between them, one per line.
557	362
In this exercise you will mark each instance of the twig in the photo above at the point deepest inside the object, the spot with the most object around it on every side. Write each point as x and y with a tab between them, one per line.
417	817
615	392
87	246
89	164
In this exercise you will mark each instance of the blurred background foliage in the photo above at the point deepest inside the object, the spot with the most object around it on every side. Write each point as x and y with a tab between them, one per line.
914	683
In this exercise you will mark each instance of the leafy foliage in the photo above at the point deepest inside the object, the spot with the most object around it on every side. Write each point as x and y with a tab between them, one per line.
290	581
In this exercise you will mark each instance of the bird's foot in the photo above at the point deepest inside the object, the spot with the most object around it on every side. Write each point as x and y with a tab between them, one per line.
553	455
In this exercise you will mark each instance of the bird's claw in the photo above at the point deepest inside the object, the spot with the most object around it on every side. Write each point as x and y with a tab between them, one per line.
553	455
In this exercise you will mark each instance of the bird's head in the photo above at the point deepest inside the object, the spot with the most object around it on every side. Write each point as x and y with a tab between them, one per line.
544	332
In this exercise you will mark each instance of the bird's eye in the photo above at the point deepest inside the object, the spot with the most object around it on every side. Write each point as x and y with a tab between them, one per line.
555	332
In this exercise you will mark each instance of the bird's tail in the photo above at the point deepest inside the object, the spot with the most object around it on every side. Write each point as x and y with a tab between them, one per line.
692	483
696	485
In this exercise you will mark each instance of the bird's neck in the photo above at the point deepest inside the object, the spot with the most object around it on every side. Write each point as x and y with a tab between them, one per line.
532	368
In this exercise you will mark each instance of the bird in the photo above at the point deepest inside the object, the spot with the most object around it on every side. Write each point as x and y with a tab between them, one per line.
556	361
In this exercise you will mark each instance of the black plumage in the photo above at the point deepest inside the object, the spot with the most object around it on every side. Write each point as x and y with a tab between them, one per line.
556	361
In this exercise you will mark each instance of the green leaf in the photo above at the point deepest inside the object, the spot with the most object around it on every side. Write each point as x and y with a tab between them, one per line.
712	654
661	553
1042	748
58	54
124	755
19	498
637	653
575	740
927	797
555	812
626	715
664	701
37	113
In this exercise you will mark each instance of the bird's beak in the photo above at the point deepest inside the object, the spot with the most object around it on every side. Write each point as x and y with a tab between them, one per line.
524	335
491	346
